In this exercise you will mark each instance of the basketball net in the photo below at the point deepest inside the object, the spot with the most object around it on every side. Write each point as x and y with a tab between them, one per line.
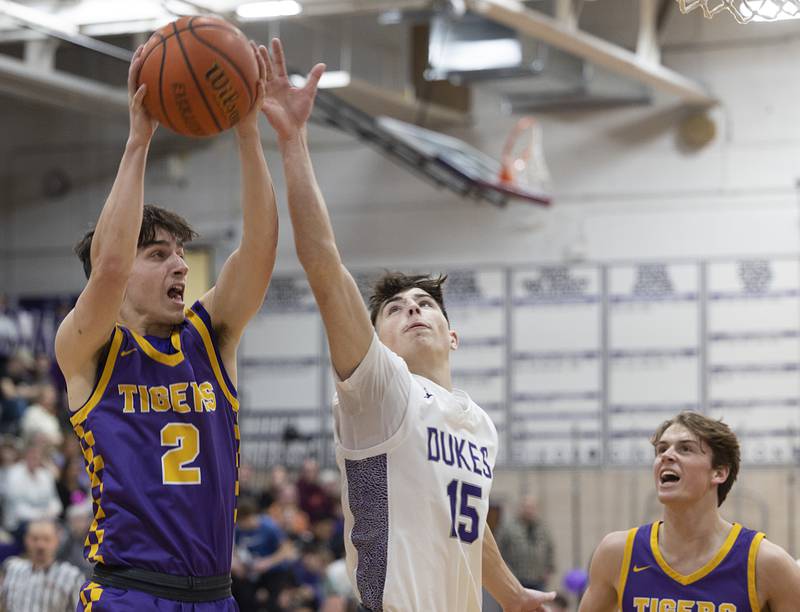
522	163
745	11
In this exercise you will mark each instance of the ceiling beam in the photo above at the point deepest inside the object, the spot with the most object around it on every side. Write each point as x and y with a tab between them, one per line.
517	16
53	88
58	28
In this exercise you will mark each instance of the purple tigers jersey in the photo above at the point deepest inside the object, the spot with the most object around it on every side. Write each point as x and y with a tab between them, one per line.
161	442
727	583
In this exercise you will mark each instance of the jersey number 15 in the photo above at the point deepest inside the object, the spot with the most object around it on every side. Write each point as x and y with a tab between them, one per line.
465	524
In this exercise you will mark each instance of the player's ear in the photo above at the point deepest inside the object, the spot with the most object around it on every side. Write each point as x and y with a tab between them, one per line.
453	339
720	474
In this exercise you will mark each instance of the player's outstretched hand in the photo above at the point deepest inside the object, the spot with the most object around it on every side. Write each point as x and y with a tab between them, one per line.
530	601
142	125
249	123
287	107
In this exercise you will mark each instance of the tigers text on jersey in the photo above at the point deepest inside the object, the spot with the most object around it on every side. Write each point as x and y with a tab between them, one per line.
415	505
727	583
161	442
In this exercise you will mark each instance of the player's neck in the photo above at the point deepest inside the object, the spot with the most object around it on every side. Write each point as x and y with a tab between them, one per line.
435	372
690	531
143	326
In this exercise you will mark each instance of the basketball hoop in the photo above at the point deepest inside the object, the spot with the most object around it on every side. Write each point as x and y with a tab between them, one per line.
745	11
522	163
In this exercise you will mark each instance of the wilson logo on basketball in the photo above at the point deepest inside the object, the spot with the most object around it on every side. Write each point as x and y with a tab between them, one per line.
224	92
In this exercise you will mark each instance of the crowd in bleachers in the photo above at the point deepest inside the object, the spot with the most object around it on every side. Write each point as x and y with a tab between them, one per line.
289	552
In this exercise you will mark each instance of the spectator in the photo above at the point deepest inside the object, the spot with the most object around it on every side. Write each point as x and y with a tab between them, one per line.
261	559
278	478
79	517
42	369
9	455
16	389
312	498
337	583
288	515
31	491
41	417
309	576
39	582
8	334
71	487
527	546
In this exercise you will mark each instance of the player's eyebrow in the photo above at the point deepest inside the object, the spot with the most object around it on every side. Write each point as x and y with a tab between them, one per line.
662	442
398	298
164	243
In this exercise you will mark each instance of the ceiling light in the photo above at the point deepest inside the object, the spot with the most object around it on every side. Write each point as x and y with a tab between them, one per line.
270	9
330	80
470	55
178	7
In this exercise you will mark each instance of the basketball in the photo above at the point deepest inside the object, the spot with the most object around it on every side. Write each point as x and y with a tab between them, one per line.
201	76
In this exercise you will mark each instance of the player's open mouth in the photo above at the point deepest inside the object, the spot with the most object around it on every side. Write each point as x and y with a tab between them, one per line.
417	325
668	477
175	293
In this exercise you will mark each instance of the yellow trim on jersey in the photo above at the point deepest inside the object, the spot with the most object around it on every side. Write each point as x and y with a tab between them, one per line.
90	594
201	328
752	591
703	571
626	564
100	388
156	355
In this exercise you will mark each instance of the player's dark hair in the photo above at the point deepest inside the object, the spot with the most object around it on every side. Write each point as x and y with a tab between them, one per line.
153	218
392	283
720	439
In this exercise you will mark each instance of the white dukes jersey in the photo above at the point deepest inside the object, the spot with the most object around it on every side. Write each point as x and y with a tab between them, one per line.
415	503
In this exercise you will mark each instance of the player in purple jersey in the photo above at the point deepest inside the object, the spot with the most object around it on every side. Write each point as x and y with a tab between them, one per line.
692	560
417	539
152	384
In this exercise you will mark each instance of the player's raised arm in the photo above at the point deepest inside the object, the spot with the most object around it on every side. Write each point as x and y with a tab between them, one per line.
602	595
777	579
343	311
88	326
243	281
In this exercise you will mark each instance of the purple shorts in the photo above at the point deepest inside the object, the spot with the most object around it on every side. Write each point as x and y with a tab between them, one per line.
97	598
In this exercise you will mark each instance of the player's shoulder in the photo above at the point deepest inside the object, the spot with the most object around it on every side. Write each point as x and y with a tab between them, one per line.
608	557
614	543
777	573
611	550
773	559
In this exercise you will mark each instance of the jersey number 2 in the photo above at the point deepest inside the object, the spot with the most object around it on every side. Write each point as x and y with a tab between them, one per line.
185	437
466	530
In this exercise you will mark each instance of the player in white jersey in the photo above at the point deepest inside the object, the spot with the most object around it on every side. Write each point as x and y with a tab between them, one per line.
417	456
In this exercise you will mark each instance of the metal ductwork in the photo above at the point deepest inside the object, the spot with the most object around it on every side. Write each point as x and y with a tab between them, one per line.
529	75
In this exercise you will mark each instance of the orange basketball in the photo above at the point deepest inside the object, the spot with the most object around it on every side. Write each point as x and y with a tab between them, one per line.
201	75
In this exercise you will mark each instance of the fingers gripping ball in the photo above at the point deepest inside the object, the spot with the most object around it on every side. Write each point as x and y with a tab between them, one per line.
201	76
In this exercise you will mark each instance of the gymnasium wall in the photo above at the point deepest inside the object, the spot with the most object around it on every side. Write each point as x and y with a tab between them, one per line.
627	193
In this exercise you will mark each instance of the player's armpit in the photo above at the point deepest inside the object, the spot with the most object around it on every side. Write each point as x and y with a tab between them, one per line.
602	595
777	579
